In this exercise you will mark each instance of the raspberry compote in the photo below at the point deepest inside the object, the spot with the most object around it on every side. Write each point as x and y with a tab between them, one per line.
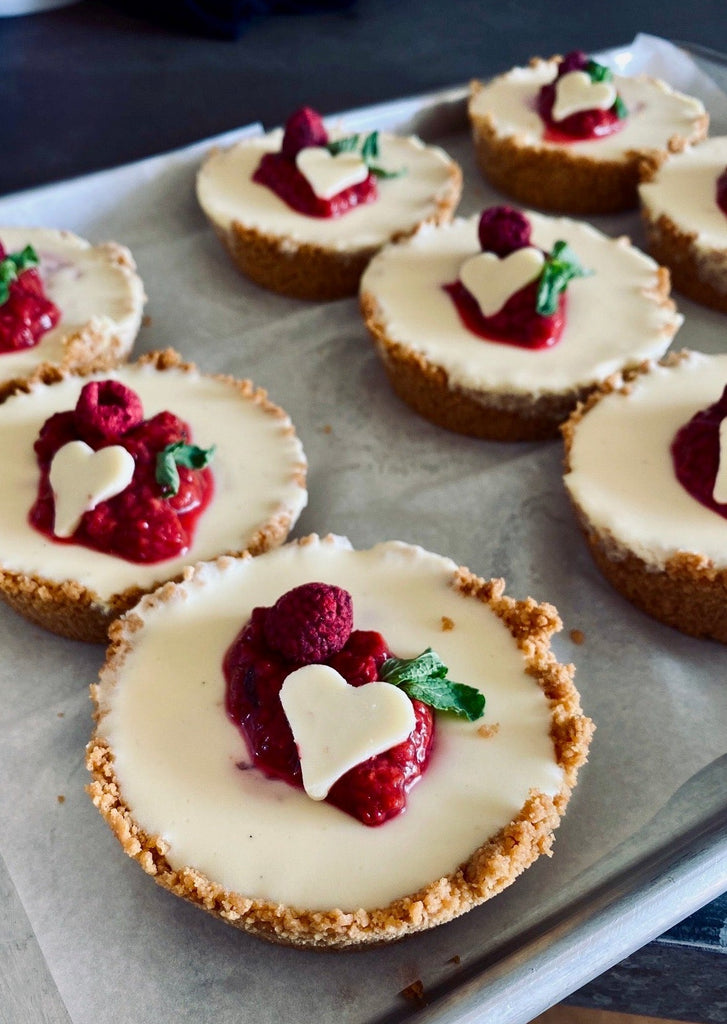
279	172
143	523
312	624
581	126
26	313
695	453
502	230
721	191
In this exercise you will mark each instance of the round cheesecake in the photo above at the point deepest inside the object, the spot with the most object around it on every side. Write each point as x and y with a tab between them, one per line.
686	229
617	315
100	297
588	176
258	468
658	545
173	779
321	258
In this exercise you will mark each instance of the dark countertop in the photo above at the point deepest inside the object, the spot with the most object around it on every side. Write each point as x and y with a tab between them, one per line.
90	86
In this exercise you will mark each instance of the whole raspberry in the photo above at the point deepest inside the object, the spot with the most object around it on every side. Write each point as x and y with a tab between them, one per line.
576	60
309	623
502	230
303	128
106	410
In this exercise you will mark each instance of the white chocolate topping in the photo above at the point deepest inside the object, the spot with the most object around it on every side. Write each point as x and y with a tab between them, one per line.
614	316
656	112
336	726
95	288
492	280
256	472
181	763
81	478
227	193
622	475
575	92
720	483
328	173
684	190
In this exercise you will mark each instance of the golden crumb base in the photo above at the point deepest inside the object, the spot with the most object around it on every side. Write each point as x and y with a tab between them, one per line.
492	416
70	609
491	867
697	271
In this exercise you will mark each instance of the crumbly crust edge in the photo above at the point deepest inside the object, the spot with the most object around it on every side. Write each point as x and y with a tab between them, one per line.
697	271
490	869
68	608
687	592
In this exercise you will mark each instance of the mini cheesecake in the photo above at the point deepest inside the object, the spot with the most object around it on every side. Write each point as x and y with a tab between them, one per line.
314	257
521	158
173	778
686	228
259	471
100	298
661	547
617	315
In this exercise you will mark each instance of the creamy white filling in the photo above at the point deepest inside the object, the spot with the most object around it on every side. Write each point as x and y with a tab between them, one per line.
256	458
88	286
656	112
684	190
613	315
177	755
622	475
228	194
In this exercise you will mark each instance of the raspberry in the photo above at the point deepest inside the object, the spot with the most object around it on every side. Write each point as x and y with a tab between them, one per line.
303	128
106	410
27	314
695	452
576	60
722	191
502	230
309	623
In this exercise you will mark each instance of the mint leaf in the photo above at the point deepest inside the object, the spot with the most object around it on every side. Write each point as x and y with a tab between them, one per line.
560	267
12	266
424	678
179	454
600	73
369	150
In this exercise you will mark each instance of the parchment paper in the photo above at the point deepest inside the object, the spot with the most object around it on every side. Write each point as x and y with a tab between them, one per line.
120	949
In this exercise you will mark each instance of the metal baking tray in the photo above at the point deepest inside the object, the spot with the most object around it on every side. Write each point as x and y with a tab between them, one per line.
89	937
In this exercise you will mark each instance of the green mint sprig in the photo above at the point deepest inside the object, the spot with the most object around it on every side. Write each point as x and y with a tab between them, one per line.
179	454
600	73
369	151
424	678
560	267
12	266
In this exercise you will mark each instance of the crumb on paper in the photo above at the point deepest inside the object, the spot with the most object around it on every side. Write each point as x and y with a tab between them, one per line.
447	624
487	731
577	636
414	993
60	798
61	714
456	959
327	428
146	320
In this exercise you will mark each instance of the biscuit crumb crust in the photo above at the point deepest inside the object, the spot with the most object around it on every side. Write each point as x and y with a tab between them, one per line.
72	610
491	868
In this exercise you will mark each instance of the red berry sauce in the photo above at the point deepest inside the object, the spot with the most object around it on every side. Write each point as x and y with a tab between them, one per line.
502	230
584	125
139	524
28	313
372	792
695	454
279	172
721	191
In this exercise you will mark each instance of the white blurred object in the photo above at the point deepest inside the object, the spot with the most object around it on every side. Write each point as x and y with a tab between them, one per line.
12	7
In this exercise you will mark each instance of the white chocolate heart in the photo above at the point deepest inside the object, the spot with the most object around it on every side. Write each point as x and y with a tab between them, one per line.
576	91
328	174
492	279
719	493
337	726
81	478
